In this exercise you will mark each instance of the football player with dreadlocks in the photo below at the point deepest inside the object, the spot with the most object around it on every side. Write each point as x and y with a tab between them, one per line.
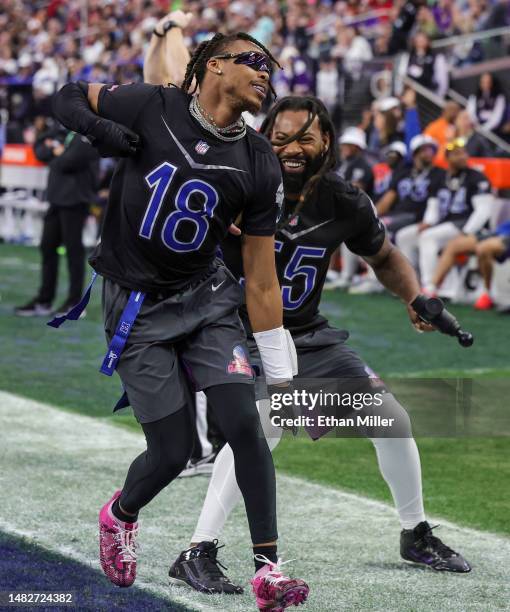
321	211
171	307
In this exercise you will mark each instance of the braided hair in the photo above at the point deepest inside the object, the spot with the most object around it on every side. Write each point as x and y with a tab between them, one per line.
315	108
196	67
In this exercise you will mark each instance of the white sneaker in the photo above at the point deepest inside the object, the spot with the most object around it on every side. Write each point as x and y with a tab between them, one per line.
366	287
341	282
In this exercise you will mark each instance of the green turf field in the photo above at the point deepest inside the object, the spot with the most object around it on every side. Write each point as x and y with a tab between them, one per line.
466	480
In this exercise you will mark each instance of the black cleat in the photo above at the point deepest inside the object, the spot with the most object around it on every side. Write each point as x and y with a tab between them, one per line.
34	308
198	467
199	568
418	545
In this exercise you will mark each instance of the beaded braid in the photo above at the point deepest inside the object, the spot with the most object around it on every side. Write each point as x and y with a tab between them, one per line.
315	108
207	49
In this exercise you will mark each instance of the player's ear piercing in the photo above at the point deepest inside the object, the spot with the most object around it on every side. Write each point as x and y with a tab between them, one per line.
219	71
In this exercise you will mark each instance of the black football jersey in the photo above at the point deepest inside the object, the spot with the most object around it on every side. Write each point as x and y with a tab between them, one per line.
357	170
172	203
414	188
456	194
339	213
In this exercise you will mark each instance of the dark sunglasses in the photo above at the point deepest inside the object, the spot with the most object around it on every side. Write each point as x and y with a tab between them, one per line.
253	59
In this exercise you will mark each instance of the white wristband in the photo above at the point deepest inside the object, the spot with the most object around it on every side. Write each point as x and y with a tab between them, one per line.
278	355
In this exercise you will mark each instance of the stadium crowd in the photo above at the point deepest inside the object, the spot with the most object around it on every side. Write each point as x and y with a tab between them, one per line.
319	43
323	47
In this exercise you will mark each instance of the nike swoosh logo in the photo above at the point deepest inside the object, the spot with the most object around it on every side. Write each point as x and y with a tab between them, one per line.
193	164
216	287
305	231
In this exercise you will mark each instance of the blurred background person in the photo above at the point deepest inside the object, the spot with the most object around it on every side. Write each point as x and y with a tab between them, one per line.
395	158
386	127
404	203
476	145
72	183
354	168
487	106
442	129
429	69
462	204
489	247
411	187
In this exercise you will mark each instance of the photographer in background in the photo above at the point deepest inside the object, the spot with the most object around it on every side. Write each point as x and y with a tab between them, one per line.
72	183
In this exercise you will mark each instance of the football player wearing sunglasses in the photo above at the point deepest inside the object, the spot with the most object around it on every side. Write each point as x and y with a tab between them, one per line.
193	165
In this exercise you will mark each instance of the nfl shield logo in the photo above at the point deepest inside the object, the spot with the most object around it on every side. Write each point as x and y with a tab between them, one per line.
201	147
294	221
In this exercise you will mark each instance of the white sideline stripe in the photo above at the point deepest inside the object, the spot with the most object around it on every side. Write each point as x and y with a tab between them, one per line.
346	545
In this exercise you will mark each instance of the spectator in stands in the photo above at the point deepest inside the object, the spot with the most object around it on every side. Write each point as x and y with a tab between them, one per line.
489	247
72	180
395	158
488	105
352	48
499	15
425	22
462	204
426	67
386	123
476	144
354	167
403	25
443	12
411	187
442	130
406	197
328	88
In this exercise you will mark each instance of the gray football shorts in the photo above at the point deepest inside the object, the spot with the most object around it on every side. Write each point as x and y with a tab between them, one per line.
322	353
180	344
325	362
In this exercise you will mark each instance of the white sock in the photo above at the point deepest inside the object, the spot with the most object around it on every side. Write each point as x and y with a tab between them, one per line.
399	462
223	493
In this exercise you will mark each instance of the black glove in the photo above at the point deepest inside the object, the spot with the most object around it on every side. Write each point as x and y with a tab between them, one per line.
433	311
71	108
113	139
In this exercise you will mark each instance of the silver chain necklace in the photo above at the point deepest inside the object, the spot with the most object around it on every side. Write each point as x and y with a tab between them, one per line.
230	133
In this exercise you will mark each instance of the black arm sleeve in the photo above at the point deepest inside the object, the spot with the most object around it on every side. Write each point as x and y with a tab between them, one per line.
264	208
368	234
71	108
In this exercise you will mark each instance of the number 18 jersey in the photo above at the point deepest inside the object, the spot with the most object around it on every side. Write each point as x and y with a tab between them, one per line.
172	203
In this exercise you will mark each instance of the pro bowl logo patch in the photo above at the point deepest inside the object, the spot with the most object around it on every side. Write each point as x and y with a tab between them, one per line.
240	363
201	147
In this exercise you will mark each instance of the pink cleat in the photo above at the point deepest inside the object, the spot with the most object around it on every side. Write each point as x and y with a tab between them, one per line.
117	546
275	591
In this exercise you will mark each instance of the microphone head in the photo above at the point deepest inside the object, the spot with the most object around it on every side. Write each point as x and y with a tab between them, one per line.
465	338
